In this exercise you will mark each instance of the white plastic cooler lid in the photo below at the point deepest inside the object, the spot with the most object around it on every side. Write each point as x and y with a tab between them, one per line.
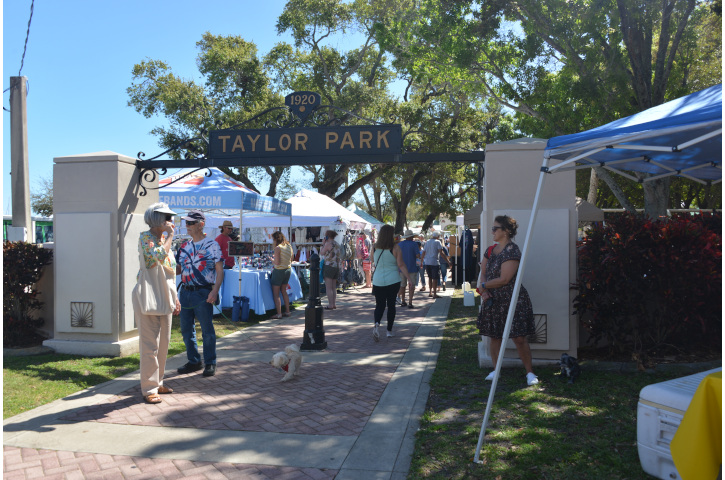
673	395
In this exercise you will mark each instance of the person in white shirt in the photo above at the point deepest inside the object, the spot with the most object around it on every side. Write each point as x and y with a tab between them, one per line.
432	250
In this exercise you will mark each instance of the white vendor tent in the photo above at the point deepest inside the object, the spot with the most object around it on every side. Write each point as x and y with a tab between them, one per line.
682	137
377	224
311	209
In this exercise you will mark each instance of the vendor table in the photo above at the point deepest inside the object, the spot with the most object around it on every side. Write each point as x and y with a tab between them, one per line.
256	287
697	445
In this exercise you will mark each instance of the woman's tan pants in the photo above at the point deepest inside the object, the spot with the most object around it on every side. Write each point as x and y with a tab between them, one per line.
154	333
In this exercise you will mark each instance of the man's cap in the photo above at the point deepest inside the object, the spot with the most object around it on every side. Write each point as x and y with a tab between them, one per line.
226	223
195	216
408	234
164	209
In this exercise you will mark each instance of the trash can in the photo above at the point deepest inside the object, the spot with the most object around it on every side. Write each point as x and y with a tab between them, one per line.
240	309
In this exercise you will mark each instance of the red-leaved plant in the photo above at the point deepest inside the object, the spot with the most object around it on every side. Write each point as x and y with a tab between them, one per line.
647	286
23	265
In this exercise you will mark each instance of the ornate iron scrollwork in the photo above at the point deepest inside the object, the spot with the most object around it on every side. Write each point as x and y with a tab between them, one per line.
148	173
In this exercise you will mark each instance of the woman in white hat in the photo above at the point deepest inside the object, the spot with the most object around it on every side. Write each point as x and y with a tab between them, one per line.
154	331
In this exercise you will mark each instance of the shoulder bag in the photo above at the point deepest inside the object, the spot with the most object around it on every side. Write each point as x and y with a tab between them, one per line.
155	290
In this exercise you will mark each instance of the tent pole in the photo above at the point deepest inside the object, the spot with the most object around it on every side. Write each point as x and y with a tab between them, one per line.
512	309
465	245
241	224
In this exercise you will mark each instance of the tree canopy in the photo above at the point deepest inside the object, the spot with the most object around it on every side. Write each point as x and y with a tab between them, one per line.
562	66
476	73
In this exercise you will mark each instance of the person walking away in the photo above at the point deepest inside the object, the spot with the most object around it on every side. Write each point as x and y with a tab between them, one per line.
431	259
410	252
496	283
199	261
444	264
390	271
223	240
154	331
281	272
330	252
366	263
421	267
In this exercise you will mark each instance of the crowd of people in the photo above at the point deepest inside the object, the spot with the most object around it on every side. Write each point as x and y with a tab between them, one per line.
395	266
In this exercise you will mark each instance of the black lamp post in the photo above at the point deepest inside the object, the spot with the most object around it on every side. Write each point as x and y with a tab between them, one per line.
313	337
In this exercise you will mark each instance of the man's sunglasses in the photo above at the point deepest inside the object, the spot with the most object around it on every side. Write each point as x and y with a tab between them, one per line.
189	224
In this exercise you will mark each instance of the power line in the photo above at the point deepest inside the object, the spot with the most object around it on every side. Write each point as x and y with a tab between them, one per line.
22	61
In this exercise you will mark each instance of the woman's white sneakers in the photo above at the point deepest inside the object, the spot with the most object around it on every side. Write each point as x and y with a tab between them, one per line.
390	334
531	379
376	335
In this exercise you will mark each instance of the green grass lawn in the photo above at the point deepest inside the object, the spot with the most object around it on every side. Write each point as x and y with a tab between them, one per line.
31	381
555	430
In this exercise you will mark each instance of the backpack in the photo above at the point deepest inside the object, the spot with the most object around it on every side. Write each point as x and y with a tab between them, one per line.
347	252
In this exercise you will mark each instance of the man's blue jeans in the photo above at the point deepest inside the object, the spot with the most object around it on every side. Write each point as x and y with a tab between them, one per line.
194	305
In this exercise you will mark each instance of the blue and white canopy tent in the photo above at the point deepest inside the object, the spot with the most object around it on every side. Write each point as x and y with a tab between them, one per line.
216	193
678	138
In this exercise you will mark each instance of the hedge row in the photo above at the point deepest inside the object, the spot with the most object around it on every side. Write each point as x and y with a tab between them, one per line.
648	286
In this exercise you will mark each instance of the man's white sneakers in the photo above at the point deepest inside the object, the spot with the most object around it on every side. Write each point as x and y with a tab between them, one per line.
531	379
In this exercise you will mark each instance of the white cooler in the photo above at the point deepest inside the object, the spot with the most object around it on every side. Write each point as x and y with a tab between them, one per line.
659	412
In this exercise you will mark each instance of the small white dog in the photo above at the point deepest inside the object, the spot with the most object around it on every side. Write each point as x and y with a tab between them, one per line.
289	361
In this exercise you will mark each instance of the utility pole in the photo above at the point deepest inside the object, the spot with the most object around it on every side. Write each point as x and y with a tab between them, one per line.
20	178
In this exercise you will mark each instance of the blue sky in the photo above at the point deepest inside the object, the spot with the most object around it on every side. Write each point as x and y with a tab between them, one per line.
79	59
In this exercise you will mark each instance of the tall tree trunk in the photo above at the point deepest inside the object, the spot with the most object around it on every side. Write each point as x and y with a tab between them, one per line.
656	196
616	190
429	219
593	187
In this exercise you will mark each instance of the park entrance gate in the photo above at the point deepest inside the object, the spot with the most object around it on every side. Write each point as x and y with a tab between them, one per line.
303	132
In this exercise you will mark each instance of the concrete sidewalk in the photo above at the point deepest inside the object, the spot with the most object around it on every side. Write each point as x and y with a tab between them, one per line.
351	414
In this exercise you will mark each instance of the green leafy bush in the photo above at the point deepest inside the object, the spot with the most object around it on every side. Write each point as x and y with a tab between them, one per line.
22	267
652	286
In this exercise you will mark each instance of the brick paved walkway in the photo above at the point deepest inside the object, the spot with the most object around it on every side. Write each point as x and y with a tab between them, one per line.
334	398
26	463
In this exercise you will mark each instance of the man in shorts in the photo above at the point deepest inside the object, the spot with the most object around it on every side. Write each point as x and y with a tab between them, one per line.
432	250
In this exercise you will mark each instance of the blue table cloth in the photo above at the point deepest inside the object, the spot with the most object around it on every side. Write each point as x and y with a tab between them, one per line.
255	286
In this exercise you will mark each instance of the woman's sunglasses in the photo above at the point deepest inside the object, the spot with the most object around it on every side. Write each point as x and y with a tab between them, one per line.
496	227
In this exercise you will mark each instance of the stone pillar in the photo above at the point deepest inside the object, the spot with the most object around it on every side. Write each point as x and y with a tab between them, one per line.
512	174
98	216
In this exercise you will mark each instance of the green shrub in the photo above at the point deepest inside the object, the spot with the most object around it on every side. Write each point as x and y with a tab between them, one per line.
652	286
22	267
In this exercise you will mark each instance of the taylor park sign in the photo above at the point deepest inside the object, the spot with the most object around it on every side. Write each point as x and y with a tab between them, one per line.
303	132
275	146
